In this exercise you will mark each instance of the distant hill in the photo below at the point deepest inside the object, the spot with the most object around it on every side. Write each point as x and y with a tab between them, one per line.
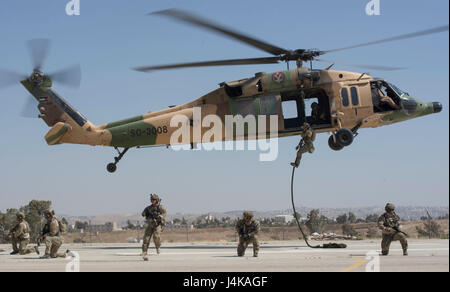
405	212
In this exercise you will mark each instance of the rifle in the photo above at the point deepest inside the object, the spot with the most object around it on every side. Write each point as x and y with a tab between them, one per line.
397	230
151	216
40	237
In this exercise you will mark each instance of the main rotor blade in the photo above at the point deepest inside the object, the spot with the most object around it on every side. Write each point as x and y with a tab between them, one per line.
8	78
38	50
252	61
69	77
29	109
364	66
195	20
395	38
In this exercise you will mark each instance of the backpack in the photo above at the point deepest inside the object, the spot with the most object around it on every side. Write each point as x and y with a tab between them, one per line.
62	227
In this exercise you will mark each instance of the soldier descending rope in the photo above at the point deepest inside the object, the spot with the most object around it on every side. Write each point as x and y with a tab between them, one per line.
305	144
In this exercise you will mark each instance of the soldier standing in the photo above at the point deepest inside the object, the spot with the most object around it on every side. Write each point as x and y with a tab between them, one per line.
155	215
20	237
248	229
306	144
52	236
389	223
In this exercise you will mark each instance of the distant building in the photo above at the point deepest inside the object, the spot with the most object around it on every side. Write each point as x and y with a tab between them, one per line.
208	217
178	227
107	227
284	218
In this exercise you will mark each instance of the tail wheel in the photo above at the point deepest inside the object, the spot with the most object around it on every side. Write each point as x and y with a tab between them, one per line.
111	167
333	145
344	137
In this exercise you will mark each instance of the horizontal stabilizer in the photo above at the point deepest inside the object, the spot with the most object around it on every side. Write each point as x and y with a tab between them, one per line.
57	132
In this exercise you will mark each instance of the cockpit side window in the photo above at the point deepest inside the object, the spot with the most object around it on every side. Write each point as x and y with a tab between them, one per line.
344	95
355	98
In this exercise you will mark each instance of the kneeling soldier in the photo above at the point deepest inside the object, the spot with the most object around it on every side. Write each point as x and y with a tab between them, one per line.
248	229
20	236
52	236
389	223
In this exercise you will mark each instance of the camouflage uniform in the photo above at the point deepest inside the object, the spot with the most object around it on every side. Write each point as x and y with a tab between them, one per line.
20	237
248	229
306	144
155	215
389	225
52	237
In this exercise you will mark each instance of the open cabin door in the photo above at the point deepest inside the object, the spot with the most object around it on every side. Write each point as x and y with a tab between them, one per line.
310	105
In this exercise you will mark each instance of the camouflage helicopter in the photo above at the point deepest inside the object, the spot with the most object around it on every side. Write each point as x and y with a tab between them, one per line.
337	102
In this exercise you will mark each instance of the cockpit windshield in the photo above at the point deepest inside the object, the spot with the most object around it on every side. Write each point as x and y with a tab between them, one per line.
397	90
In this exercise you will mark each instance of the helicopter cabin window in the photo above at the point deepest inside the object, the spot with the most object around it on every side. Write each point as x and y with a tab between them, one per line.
354	93
268	105
290	109
244	107
344	94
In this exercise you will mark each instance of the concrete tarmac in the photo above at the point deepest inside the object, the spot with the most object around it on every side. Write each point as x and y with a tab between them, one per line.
275	256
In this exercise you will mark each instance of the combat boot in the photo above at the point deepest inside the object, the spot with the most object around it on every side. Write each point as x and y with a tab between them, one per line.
255	254
405	252
14	252
46	256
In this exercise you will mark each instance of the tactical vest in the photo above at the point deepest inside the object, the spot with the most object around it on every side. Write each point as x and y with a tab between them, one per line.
391	221
153	213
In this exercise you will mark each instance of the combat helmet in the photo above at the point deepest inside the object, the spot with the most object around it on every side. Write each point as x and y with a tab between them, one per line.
155	197
20	216
389	207
48	213
248	214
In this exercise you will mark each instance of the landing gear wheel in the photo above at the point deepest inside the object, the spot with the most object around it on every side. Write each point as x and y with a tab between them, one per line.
344	137
333	145
111	167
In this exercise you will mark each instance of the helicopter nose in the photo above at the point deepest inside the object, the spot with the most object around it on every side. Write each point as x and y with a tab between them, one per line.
437	107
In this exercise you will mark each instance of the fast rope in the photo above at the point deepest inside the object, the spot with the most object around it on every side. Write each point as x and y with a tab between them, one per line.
326	245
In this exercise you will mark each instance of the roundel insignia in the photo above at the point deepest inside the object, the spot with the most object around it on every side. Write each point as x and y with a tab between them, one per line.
278	77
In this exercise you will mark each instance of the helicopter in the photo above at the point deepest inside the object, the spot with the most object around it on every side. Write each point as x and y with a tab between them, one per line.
330	101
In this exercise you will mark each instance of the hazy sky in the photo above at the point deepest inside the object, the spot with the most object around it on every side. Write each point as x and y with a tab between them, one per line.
406	163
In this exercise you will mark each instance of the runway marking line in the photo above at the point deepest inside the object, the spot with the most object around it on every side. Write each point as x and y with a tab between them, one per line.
358	263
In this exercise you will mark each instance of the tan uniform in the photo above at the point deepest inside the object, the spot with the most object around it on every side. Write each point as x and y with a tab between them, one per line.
21	238
387	223
155	216
248	233
305	145
53	239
